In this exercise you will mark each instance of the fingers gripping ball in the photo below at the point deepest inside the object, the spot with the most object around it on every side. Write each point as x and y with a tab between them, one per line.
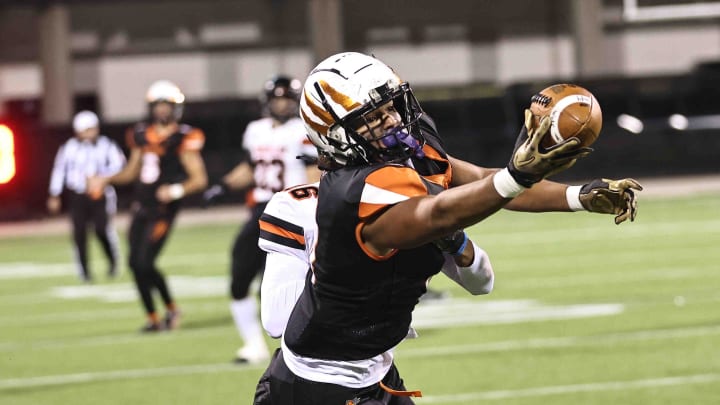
573	112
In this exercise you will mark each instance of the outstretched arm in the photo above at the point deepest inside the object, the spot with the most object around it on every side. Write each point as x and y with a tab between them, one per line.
601	196
542	197
422	218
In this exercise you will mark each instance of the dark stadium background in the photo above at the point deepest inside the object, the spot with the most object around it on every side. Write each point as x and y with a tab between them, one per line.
478	121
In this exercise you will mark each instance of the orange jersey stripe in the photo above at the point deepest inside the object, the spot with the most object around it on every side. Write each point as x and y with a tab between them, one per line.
193	140
274	229
366	249
443	179
389	185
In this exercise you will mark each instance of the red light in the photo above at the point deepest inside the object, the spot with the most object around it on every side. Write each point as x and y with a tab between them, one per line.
7	154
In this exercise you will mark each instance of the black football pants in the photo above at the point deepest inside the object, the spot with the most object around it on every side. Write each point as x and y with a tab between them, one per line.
279	386
149	230
84	210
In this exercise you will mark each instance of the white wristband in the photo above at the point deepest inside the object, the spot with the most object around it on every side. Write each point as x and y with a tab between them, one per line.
176	191
506	185
572	194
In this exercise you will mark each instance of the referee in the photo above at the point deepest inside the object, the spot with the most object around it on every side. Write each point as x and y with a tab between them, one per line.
87	154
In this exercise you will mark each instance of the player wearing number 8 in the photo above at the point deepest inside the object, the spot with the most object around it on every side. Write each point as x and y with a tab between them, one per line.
165	164
272	145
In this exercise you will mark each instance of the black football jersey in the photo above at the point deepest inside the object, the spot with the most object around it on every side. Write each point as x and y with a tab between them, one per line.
161	157
356	305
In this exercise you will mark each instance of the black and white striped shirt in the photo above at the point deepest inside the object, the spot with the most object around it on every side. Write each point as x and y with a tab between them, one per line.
76	160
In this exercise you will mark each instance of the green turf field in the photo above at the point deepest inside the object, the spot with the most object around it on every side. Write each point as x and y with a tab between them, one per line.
584	312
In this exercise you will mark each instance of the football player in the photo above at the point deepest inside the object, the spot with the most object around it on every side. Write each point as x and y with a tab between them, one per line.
287	233
377	217
272	145
166	164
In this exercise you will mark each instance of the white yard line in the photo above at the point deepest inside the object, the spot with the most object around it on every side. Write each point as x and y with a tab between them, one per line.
78	378
525	344
559	342
63	379
570	389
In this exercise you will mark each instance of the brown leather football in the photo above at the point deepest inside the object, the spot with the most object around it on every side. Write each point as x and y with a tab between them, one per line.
573	111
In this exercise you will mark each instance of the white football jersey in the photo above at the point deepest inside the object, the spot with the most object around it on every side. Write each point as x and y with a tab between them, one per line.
288	223
273	153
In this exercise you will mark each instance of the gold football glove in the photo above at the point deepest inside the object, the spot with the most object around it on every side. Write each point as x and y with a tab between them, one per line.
529	164
611	197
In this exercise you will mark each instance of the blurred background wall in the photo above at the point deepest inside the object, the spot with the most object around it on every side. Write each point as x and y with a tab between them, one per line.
473	64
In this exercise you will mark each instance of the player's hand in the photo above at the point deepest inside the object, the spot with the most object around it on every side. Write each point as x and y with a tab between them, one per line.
53	205
214	193
163	194
456	244
611	197
453	243
529	164
96	186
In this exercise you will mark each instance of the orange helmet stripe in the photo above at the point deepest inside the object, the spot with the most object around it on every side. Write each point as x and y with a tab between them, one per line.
345	101
314	125
319	111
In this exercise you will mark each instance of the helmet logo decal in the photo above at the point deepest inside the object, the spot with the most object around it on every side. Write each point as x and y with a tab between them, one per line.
314	125
339	98
318	111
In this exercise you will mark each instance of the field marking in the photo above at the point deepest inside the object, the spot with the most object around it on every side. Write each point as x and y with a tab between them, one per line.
526	344
182	286
63	379
426	316
651	274
24	270
465	312
590	233
571	389
79	378
117	339
560	342
102	313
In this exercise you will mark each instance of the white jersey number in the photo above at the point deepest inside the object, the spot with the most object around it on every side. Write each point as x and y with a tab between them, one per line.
150	168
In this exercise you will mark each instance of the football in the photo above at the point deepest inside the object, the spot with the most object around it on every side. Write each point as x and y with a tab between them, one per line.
573	111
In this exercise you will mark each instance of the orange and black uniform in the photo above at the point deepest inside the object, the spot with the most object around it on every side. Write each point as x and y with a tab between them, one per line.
152	220
361	304
356	305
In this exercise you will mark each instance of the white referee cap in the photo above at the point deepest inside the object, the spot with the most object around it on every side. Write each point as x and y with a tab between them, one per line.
85	120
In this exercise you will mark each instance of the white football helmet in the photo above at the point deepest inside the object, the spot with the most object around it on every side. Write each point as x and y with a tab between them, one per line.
337	96
165	91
